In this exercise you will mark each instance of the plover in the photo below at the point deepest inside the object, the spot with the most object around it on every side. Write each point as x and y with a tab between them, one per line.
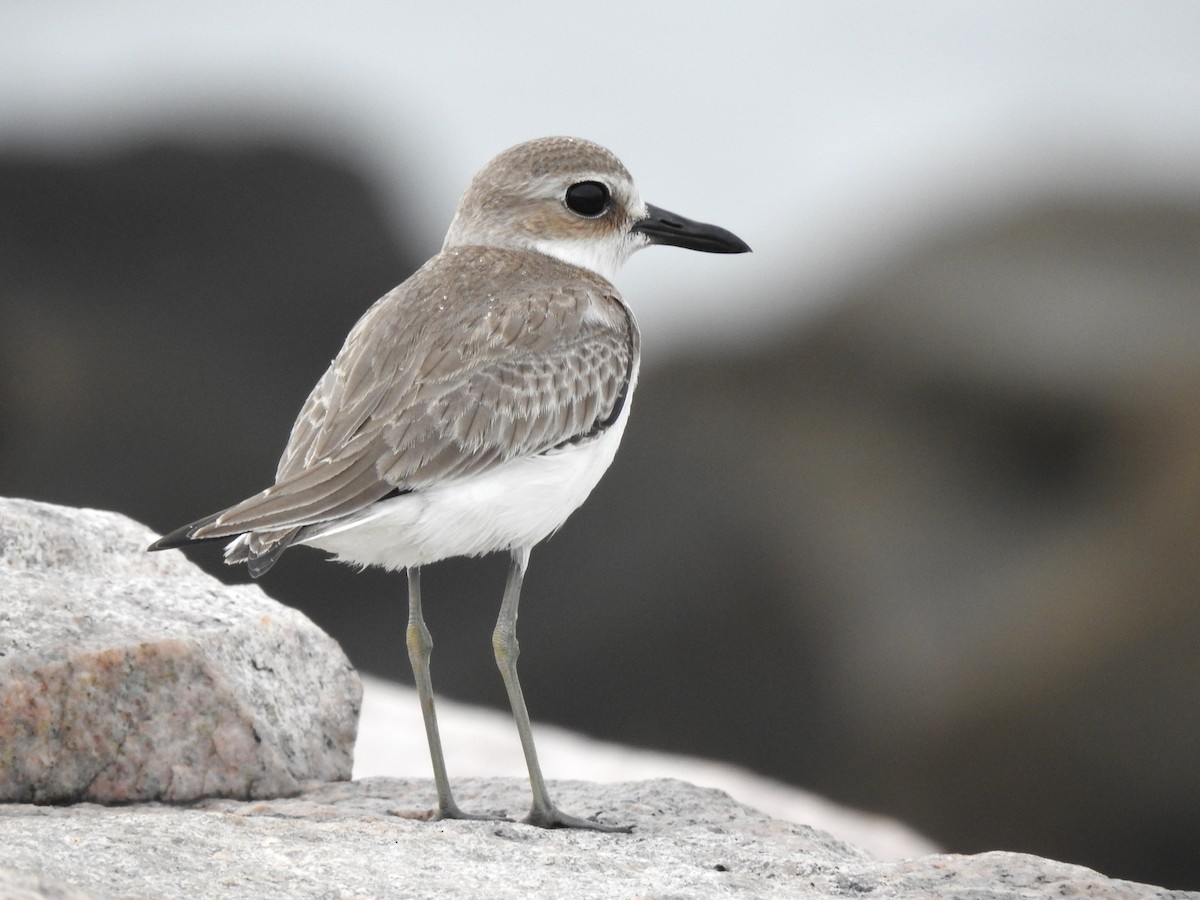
474	407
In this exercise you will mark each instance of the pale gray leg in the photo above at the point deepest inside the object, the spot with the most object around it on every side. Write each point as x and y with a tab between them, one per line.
420	647
504	642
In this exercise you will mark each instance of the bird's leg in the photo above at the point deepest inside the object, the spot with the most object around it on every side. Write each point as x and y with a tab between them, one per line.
420	647
504	642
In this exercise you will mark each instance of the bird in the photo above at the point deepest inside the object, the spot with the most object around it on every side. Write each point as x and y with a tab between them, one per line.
475	406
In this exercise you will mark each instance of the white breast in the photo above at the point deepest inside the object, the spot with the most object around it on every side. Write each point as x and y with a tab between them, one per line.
516	504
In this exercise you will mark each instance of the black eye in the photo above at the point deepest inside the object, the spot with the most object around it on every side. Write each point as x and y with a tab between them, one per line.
588	198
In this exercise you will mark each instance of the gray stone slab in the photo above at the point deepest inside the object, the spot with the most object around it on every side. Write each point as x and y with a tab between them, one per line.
369	839
483	743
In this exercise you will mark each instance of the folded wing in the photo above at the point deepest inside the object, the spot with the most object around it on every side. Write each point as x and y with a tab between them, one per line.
426	389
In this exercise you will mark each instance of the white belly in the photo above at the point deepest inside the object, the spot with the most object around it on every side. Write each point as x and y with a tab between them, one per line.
516	504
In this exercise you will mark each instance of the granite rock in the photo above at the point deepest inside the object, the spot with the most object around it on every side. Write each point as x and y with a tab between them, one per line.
132	676
370	839
29	886
483	743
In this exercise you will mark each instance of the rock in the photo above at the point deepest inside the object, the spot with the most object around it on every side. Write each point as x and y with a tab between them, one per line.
483	742
131	676
368	839
25	886
127	676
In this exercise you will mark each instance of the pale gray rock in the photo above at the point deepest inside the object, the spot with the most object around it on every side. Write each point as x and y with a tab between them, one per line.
483	742
370	839
131	676
27	886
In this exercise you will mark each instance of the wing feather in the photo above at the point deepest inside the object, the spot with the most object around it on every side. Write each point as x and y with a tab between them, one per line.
425	389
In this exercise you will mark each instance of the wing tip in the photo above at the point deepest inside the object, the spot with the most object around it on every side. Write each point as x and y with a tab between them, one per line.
259	556
183	536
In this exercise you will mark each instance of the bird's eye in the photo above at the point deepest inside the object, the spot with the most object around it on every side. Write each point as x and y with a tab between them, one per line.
587	198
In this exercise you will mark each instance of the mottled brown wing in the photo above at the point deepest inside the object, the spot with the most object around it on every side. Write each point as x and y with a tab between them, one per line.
427	389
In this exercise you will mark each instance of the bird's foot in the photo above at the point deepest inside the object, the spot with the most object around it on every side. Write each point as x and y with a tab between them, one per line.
553	817
452	811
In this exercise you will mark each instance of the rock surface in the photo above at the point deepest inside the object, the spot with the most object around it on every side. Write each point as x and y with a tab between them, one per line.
483	743
367	839
127	676
131	676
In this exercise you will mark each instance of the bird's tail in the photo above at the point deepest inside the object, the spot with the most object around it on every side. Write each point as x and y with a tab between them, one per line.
259	550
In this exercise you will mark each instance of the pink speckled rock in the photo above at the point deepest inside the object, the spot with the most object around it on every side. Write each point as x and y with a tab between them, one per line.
126	675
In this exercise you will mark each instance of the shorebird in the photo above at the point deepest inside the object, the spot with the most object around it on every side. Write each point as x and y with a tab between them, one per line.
474	407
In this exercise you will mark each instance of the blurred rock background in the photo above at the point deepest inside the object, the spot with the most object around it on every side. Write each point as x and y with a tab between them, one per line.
908	512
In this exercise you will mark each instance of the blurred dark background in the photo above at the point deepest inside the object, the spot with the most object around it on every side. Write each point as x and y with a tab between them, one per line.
926	544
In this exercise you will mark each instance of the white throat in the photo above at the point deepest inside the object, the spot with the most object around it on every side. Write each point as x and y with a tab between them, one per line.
602	257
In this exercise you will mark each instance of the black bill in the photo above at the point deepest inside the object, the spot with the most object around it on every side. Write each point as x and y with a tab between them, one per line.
663	227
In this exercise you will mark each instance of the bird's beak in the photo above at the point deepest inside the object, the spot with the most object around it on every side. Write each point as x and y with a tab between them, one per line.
662	227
